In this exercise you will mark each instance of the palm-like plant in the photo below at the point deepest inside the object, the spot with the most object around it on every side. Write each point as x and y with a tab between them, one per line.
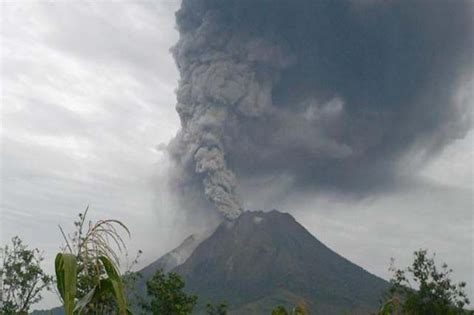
87	270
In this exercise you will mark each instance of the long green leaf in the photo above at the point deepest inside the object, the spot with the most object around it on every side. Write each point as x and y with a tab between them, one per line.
66	273
86	299
116	284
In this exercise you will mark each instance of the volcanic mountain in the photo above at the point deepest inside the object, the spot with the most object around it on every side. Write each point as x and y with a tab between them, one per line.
265	259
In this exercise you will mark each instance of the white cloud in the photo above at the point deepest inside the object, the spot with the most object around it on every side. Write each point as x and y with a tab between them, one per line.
455	166
88	92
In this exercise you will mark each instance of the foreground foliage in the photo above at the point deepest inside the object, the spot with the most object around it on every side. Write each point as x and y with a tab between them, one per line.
87	273
23	278
423	289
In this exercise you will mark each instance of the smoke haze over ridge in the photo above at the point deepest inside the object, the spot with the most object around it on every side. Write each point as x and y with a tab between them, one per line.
331	94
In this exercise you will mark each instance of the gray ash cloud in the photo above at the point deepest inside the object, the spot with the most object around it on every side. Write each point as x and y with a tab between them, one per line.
331	93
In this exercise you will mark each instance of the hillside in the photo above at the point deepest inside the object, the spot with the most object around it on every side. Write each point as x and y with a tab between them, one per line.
265	259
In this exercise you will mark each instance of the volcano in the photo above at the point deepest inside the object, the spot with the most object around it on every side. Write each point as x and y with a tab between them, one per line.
265	259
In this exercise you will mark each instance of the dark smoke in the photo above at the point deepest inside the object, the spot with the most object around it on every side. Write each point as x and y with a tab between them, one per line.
331	93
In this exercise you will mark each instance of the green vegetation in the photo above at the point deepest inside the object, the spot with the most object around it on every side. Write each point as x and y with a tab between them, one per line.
422	289
87	273
66	280
166	295
23	278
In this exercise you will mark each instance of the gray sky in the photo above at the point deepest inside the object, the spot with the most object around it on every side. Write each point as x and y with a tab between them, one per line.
87	95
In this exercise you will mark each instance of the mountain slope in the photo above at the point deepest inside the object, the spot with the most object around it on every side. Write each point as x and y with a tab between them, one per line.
173	258
264	259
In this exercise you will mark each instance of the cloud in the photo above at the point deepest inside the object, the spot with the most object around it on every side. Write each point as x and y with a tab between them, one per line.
372	230
87	94
354	116
334	95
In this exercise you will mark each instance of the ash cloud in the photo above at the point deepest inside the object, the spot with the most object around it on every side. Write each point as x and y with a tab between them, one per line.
330	93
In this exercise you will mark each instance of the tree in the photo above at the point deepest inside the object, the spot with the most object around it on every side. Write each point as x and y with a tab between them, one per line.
423	289
166	295
220	309
23	278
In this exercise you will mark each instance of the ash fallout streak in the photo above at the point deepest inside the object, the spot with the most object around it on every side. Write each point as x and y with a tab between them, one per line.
330	93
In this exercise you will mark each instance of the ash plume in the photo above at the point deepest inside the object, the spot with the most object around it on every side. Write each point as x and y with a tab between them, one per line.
331	93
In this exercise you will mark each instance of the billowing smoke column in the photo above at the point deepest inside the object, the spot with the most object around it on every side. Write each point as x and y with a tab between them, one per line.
330	93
